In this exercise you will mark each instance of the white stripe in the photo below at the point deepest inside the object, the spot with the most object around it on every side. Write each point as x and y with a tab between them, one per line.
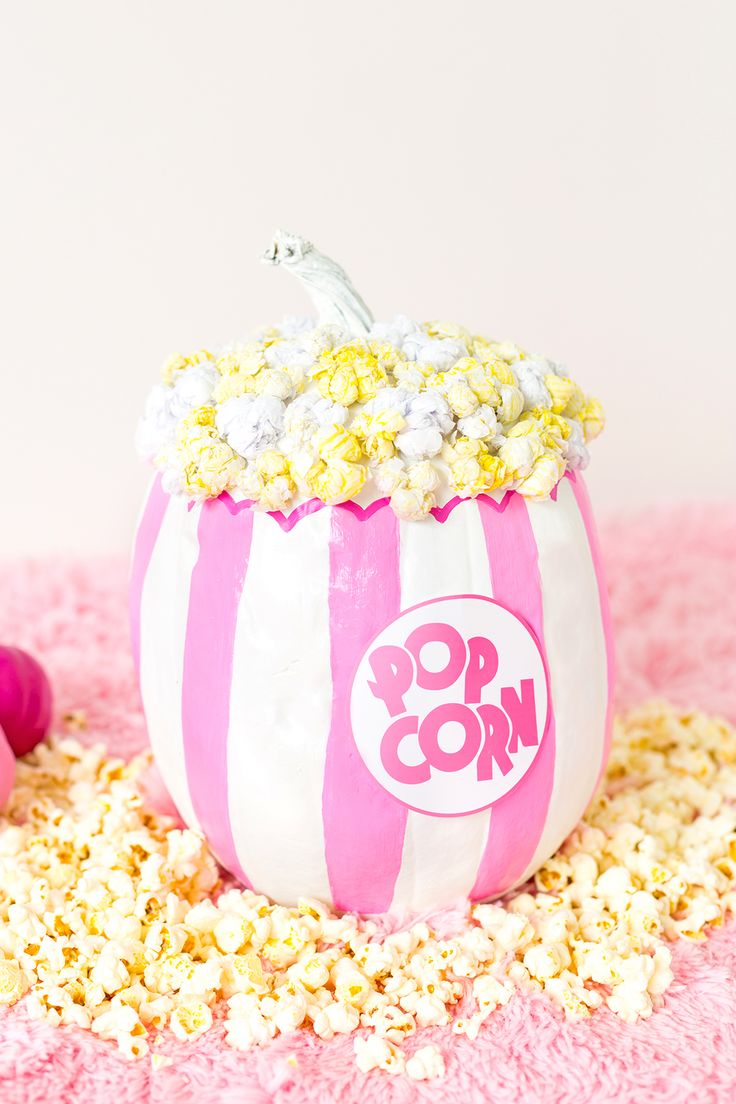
280	709
576	654
164	613
441	854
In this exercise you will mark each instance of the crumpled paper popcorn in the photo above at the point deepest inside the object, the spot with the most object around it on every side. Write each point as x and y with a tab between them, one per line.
406	390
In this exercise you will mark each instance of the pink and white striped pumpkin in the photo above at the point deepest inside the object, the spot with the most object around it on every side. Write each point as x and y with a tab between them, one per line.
257	639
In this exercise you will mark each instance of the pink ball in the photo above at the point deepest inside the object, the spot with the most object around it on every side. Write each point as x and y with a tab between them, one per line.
25	700
7	768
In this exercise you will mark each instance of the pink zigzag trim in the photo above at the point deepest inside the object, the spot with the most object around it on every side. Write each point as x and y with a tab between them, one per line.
314	505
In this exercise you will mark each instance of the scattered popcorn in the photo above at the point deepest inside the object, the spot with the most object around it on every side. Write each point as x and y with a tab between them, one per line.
335	1019
114	920
231	932
425	1064
377	1053
298	413
190	1019
544	961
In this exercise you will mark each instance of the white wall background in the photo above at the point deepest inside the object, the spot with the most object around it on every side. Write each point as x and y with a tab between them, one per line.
559	173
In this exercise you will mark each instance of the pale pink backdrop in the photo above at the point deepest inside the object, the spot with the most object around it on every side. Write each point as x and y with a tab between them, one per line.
557	173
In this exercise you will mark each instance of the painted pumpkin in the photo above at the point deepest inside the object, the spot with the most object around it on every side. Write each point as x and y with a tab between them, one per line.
377	712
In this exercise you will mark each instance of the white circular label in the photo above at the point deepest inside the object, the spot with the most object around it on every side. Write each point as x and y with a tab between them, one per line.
449	704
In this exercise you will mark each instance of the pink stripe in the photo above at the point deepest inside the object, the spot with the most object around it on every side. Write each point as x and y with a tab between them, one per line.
363	825
518	818
583	500
145	541
442	513
216	586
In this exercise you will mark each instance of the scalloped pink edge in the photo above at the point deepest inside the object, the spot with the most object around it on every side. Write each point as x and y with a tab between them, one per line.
362	513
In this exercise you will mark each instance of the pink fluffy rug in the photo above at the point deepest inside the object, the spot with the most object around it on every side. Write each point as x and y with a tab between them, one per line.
673	586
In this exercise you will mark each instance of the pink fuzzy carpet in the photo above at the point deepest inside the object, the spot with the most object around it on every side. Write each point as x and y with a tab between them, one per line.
673	586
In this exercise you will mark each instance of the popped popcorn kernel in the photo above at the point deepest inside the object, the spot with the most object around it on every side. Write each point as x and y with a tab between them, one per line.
190	1019
425	1064
11	982
376	1053
231	932
335	1019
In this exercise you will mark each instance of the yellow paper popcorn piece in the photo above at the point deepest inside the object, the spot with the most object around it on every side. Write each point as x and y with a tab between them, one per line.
461	397
448	329
350	374
201	416
336	482
388	357
565	393
178	363
376	433
239	371
411	503
338	443
268	480
546	472
473	469
591	418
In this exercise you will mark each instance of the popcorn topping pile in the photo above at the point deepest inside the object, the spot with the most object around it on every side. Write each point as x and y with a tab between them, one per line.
110	918
418	413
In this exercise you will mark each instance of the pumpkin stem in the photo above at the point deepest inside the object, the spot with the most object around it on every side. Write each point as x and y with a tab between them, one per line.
329	287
